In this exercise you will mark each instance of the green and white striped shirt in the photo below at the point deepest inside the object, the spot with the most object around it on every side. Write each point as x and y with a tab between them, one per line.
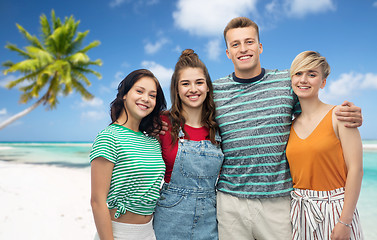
138	169
254	118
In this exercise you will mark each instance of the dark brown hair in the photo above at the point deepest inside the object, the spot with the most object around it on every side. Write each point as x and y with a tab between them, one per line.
149	123
189	59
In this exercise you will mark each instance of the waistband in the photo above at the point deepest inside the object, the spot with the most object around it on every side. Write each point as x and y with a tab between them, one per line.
187	191
305	200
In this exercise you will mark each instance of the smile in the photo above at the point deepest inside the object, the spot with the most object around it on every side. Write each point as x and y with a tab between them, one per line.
244	57
193	97
142	106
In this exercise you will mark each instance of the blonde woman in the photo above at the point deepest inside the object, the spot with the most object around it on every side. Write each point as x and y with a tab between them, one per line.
325	160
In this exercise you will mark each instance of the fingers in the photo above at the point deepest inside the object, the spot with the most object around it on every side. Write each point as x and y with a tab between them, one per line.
349	104
350	114
353	125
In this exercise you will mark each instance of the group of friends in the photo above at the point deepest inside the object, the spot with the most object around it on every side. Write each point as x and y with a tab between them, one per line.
253	155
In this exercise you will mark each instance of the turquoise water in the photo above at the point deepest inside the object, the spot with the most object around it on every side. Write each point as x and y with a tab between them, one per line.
77	155
64	154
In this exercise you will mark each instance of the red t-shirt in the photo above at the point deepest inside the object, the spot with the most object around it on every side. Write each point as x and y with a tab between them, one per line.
169	152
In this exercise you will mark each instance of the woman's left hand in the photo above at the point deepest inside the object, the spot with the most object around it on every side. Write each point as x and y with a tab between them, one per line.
340	232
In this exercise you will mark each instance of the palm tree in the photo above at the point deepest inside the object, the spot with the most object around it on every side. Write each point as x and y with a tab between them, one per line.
55	65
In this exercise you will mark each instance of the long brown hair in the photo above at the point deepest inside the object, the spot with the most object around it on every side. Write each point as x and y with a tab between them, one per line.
189	59
149	123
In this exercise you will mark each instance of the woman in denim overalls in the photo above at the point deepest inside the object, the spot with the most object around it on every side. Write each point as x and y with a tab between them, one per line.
192	154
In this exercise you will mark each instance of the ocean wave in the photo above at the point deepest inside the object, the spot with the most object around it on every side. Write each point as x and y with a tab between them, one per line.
5	148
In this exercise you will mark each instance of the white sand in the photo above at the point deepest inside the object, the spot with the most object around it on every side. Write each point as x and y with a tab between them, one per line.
48	202
45	202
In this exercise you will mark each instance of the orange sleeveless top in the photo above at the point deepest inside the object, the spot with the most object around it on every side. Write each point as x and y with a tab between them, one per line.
317	162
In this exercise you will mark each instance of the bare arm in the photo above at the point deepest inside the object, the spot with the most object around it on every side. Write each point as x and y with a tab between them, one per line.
353	156
101	171
350	114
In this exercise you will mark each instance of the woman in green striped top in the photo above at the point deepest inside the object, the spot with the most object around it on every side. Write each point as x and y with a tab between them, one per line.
126	164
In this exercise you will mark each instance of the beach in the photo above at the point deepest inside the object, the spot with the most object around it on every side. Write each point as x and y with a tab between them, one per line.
45	191
44	202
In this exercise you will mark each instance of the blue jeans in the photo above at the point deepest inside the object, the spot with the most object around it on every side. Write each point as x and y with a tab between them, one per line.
187	206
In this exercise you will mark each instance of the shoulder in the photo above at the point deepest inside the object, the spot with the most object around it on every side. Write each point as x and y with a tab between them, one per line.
109	132
223	79
277	73
165	118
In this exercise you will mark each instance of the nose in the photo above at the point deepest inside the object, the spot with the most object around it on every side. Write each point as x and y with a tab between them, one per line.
145	97
303	78
243	47
193	88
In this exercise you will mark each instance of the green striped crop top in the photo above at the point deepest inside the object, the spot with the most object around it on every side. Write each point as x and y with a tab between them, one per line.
138	169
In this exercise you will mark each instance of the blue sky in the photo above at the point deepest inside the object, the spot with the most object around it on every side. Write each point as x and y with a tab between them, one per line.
152	33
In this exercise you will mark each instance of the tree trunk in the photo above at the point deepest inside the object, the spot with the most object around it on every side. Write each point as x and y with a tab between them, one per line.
21	114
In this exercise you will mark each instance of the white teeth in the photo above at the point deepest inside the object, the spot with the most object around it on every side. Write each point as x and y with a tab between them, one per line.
244	57
142	106
194	97
303	87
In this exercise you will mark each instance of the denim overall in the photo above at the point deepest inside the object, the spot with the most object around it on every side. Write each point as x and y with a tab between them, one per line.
187	206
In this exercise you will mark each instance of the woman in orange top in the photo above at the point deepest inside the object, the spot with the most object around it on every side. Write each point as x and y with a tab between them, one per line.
325	159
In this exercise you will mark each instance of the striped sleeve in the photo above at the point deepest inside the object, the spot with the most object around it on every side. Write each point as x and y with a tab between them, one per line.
104	146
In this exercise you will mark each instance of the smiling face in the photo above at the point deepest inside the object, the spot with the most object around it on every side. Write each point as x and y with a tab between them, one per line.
306	84
140	100
243	48
192	88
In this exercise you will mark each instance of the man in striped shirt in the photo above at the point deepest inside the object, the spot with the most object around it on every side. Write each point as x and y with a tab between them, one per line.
254	112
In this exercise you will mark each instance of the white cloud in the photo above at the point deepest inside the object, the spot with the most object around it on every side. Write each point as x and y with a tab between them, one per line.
178	49
95	102
375	4
119	76
349	84
116	3
163	74
272	6
8	78
94	115
369	82
3	111
208	18
214	49
300	8
151	48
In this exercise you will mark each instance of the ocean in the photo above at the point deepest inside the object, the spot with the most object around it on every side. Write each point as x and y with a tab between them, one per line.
77	155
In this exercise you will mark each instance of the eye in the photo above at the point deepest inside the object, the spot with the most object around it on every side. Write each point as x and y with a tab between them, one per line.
184	83
139	91
200	82
312	75
298	73
153	95
250	42
234	45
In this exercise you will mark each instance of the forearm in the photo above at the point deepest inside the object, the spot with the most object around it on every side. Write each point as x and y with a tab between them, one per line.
102	220
351	195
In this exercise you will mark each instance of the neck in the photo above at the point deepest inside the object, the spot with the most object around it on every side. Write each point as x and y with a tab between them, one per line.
131	123
310	107
250	73
193	116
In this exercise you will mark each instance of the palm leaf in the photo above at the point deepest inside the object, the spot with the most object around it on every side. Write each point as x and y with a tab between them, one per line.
45	27
32	39
56	65
14	48
90	46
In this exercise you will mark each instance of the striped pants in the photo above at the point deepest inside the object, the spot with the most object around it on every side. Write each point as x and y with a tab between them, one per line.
315	213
